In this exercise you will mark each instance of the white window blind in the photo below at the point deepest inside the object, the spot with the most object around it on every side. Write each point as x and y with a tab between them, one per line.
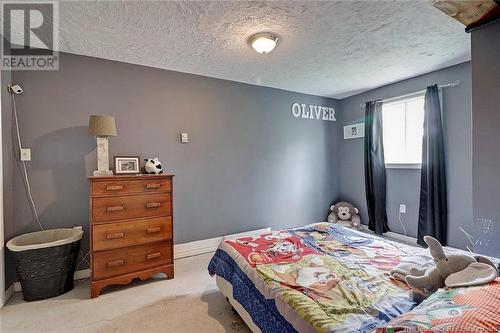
403	127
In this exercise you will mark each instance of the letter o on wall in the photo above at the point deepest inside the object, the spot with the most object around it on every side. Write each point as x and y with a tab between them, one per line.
296	110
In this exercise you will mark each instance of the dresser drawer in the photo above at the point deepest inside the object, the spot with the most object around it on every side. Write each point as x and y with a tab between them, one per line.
120	261
118	187
131	207
121	234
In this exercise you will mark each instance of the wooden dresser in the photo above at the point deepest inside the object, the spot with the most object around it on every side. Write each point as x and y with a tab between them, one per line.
131	229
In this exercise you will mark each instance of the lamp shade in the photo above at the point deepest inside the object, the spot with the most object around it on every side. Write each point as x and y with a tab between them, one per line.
102	125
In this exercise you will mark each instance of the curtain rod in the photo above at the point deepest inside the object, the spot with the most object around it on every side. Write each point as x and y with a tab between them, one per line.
446	85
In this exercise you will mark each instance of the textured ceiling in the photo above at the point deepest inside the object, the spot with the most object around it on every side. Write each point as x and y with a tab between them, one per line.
326	48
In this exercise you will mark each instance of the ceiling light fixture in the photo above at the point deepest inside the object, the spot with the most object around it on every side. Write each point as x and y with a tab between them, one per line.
263	42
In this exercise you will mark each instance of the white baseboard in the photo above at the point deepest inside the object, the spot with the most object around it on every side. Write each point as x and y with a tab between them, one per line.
82	274
399	237
392	235
8	294
197	247
180	251
209	245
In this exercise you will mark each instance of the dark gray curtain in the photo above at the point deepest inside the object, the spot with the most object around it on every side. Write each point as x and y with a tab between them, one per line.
433	212
375	168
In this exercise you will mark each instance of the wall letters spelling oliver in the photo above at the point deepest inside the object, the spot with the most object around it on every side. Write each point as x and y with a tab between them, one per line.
313	112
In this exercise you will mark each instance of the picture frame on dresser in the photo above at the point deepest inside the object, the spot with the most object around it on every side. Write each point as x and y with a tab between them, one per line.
127	165
131	228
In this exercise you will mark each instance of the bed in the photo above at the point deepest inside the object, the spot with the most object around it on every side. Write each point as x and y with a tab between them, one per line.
327	278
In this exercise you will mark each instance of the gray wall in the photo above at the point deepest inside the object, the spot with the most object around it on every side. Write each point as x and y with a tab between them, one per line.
403	186
249	163
486	133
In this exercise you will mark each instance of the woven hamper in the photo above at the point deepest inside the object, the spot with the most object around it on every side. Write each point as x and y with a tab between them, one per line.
45	261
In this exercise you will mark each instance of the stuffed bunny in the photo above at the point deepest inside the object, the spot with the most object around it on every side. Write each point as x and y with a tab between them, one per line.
452	270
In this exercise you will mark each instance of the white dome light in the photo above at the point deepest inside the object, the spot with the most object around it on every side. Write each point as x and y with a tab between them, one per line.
263	43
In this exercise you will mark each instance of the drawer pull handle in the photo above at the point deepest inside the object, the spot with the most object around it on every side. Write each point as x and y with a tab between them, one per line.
115	208
153	204
116	263
114	187
153	230
152	186
153	256
114	236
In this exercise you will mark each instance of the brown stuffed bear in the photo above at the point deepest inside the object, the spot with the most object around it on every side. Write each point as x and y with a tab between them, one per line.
345	214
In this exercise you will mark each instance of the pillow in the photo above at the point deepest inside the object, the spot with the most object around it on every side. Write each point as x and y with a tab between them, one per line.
472	309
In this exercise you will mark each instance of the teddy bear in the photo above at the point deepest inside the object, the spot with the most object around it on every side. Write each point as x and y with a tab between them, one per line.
451	270
345	214
153	165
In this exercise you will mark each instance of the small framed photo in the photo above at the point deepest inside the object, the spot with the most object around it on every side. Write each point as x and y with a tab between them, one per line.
127	165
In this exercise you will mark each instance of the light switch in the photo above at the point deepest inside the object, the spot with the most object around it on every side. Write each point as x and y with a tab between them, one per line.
184	138
25	154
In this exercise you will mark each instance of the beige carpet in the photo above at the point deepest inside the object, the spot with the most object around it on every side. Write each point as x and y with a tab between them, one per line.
189	303
208	312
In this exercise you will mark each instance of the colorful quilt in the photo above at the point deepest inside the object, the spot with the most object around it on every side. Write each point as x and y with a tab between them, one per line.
332	278
369	254
473	309
268	248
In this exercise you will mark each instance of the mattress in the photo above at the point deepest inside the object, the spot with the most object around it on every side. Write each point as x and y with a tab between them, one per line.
316	278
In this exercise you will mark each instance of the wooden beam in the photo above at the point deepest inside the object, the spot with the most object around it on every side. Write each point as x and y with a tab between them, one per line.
490	17
467	12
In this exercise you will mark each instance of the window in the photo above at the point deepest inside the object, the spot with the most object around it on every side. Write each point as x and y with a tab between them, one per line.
403	128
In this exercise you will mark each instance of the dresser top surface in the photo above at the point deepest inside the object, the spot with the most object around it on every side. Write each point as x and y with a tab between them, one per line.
130	177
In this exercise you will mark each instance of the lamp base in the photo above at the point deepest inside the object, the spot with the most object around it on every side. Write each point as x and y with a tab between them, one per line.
104	173
102	158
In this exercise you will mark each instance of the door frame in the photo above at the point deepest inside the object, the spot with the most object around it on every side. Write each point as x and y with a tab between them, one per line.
2	243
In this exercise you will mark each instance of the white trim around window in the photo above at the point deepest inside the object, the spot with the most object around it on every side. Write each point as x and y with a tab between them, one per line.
403	166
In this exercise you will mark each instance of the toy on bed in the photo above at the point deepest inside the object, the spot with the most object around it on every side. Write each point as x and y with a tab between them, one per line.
153	165
451	270
345	214
470	309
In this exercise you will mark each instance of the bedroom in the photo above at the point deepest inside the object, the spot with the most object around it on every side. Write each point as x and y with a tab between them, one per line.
185	82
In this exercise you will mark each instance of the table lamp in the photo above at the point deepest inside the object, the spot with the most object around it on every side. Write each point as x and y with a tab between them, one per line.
102	127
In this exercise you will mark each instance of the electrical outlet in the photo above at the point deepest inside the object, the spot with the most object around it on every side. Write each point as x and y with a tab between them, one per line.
25	154
402	208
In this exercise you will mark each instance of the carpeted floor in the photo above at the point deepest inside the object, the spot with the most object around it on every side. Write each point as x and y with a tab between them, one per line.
189	303
208	312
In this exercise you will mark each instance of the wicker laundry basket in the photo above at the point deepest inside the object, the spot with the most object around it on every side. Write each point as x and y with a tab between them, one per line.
45	261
